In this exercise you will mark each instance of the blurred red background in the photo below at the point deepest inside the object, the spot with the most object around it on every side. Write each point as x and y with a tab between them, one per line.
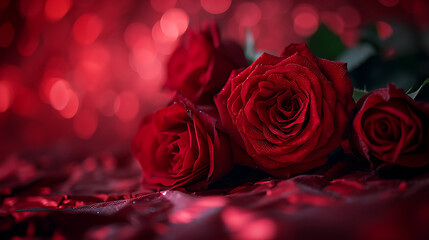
76	76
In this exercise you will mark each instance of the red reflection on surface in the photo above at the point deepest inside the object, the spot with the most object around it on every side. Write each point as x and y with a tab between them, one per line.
56	9
216	6
6	32
87	28
264	228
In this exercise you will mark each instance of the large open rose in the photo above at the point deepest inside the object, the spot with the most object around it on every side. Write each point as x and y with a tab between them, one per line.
392	127
288	113
180	146
201	64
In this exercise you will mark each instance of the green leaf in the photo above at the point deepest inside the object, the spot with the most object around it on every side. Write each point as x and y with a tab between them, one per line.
325	44
409	90
414	94
358	94
249	47
354	57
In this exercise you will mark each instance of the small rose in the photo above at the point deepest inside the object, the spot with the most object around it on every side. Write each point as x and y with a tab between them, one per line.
180	146
392	127
202	63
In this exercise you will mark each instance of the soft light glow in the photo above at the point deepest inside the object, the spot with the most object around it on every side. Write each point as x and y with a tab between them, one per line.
87	28
164	43
56	9
105	102
263	228
174	22
7	33
59	94
91	71
305	20
334	21
384	30
134	32
28	44
30	8
85	124
248	14
6	95
126	106
70	110
190	6
216	6
350	15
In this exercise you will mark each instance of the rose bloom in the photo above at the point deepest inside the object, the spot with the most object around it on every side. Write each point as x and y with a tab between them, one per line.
180	146
202	63
392	127
287	113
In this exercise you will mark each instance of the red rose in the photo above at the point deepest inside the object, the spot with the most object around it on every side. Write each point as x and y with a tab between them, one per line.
202	63
392	127
288	113
179	146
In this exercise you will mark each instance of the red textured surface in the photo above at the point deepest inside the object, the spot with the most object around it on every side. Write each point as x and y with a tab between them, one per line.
102	198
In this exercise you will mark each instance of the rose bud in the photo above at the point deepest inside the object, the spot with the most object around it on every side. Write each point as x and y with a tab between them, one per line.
180	146
287	113
392	127
202	63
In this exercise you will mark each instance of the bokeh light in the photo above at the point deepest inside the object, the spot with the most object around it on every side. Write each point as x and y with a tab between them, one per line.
56	9
305	19
85	124
384	30
174	22
28	43
162	5
84	68
59	94
351	16
126	106
6	95
87	28
248	14
7	33
30	8
216	6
